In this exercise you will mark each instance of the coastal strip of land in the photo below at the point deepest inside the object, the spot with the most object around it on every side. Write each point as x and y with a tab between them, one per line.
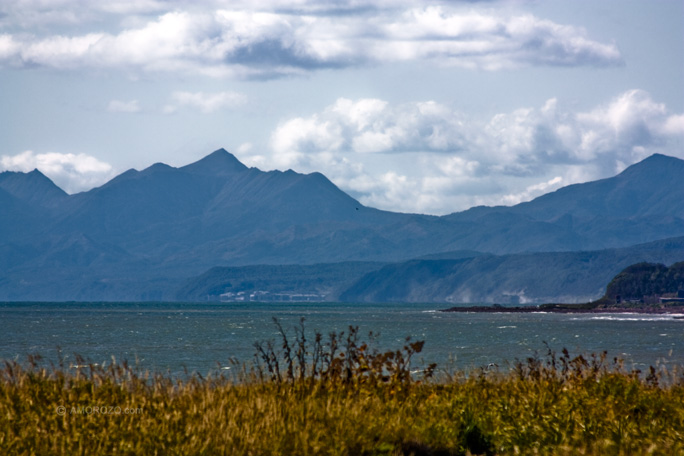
589	308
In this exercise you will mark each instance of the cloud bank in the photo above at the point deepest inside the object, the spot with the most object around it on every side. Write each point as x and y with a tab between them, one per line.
456	162
246	42
427	157
71	172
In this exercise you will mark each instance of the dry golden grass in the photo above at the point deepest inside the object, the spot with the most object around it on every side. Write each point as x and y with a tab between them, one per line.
340	397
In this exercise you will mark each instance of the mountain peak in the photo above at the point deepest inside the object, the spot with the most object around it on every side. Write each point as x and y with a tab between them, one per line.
220	162
660	158
650	189
33	186
654	165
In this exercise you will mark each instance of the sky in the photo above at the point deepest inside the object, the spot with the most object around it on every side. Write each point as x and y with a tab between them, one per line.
410	106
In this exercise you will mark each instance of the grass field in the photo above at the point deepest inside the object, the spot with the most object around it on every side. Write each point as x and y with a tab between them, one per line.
338	396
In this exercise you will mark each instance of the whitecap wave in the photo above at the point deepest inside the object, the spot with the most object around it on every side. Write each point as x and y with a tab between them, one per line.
634	317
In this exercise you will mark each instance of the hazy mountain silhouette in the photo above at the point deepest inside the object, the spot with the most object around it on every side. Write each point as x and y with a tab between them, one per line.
26	201
32	188
526	278
139	234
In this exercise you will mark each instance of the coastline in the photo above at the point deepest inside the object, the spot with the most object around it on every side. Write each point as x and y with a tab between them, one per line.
567	308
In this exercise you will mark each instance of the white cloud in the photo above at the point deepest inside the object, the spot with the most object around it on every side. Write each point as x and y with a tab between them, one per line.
244	148
485	41
247	42
371	126
444	161
45	13
131	106
674	125
132	7
533	191
8	47
205	102
441	161
72	172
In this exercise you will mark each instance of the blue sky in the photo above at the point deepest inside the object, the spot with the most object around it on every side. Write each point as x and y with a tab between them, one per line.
410	106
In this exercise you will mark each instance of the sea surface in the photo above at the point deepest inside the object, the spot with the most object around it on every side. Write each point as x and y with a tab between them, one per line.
178	338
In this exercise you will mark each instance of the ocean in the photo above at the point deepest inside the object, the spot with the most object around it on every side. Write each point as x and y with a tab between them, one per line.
200	337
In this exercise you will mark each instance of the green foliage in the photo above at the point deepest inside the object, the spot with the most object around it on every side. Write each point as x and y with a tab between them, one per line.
644	280
339	396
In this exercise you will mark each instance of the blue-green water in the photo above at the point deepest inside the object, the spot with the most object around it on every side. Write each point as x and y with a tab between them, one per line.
173	337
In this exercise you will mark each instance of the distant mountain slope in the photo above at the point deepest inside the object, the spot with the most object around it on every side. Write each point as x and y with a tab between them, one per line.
218	211
643	203
163	224
32	188
27	202
569	277
636	192
328	280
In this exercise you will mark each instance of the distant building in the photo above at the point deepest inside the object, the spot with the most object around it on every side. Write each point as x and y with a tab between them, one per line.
679	300
267	296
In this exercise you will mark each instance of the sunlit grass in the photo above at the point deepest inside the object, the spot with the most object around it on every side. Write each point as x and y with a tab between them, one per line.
339	396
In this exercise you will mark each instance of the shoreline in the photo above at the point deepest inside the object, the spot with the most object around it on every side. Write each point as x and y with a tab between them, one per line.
567	308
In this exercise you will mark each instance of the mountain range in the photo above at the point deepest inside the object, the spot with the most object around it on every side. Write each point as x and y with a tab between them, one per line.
144	234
